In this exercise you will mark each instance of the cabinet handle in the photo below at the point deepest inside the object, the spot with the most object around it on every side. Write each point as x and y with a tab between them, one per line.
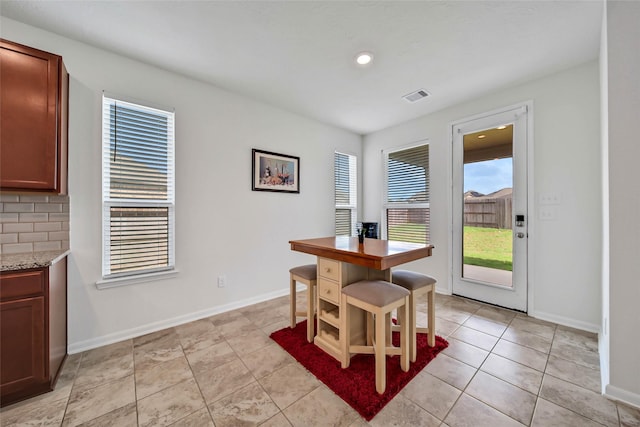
327	269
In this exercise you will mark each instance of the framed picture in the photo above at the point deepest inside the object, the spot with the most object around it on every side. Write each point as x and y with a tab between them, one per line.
275	172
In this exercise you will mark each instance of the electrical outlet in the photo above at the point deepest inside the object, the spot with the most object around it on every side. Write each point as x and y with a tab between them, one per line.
222	281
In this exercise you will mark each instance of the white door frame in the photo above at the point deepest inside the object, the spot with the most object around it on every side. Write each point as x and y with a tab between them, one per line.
528	107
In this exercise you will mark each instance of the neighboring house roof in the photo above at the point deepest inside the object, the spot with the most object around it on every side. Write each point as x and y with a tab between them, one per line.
472	194
505	193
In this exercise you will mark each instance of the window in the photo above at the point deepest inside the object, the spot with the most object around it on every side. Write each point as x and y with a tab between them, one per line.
346	193
137	189
407	194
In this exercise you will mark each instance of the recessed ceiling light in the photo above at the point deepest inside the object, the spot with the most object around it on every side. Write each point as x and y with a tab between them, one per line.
482	136
502	127
364	58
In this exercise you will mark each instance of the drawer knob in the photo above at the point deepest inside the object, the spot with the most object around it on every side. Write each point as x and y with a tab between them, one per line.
327	269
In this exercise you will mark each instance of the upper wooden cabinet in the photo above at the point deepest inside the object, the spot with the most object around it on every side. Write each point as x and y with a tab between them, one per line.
34	88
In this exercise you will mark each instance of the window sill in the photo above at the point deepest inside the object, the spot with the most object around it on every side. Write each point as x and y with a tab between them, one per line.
132	280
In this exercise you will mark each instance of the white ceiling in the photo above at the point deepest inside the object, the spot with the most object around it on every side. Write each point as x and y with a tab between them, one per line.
299	55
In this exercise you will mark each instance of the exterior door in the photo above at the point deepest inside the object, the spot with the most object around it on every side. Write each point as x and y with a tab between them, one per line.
490	209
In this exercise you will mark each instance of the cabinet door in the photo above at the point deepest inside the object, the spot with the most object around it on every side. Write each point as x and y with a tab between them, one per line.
29	118
22	346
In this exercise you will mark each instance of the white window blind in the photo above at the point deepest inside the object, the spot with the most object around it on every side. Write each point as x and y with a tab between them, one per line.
346	193
137	188
407	194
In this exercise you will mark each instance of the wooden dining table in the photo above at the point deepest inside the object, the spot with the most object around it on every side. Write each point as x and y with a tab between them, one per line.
342	260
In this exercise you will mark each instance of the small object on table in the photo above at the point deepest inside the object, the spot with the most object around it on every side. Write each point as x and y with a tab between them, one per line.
361	233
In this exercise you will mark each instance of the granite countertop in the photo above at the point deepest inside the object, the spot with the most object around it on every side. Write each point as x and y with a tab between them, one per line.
26	260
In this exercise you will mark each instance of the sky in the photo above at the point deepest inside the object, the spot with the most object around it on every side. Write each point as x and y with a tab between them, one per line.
488	176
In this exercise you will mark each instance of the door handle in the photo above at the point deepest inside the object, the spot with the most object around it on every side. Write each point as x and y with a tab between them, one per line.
520	235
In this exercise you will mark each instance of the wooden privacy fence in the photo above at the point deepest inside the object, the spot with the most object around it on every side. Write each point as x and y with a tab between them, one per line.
488	213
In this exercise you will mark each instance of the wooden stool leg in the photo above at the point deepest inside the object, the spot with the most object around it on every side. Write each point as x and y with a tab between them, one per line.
292	302
431	306
345	332
405	337
310	313
411	315
380	353
388	322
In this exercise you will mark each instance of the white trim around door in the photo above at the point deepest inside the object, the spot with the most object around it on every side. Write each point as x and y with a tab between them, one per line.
504	288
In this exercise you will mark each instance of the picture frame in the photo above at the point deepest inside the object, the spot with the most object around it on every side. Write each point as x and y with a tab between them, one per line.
274	172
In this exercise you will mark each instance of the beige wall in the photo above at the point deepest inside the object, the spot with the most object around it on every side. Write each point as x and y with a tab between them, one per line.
623	112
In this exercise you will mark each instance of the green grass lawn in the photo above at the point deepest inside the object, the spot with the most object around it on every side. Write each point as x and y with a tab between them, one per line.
410	232
488	247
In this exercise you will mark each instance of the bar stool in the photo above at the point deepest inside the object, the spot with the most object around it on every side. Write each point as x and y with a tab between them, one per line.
306	274
379	298
418	285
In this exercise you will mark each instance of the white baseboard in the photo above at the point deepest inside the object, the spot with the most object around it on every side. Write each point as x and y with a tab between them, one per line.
96	342
565	321
443	290
621	395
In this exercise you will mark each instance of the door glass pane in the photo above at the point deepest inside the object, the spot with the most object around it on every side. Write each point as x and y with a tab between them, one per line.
487	246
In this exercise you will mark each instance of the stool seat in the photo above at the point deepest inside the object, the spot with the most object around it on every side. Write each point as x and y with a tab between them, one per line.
375	292
378	298
419	285
306	274
411	280
309	271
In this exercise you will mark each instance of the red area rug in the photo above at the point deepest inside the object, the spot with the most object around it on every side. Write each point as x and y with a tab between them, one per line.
356	385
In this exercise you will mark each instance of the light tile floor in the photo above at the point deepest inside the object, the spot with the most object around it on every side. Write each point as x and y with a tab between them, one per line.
501	369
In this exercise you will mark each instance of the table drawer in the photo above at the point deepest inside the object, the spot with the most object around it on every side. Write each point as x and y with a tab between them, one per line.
329	268
329	291
20	284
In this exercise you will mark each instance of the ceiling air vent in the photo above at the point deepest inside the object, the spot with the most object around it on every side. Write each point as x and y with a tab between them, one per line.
416	96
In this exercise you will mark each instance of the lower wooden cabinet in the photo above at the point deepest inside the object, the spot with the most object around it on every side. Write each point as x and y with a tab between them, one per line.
23	359
33	326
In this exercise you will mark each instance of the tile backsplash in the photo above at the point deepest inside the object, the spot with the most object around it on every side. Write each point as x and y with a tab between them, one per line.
33	223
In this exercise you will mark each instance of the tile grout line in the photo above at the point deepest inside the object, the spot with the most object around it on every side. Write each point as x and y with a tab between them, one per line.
489	352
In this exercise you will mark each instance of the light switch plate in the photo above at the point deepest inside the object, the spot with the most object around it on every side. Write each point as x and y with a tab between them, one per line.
547	213
549	198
